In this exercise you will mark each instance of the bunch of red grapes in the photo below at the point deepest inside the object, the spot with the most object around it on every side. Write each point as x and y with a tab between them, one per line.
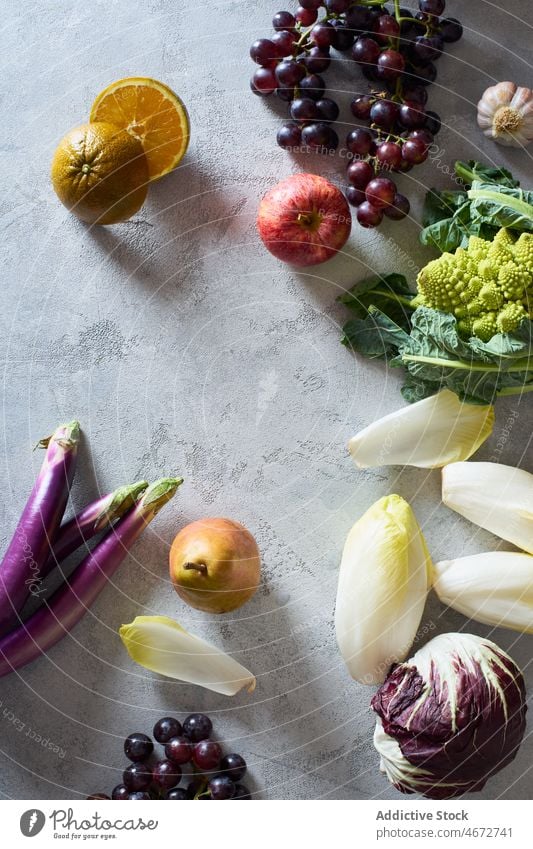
396	51
189	753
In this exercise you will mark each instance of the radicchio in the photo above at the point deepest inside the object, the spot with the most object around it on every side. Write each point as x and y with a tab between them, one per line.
450	717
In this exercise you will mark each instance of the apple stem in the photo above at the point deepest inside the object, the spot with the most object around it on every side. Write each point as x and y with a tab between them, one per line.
305	218
200	567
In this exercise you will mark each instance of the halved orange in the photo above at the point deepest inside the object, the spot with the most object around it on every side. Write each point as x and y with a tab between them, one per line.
151	113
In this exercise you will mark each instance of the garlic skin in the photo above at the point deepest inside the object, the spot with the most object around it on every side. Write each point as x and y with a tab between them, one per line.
505	114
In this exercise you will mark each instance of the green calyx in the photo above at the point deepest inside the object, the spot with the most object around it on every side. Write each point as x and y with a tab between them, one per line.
67	436
119	503
158	493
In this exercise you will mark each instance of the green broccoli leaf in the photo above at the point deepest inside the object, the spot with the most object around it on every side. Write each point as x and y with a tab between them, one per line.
502	206
390	293
493	201
472	170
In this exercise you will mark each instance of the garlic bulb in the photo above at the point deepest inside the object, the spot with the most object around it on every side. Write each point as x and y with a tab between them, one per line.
505	114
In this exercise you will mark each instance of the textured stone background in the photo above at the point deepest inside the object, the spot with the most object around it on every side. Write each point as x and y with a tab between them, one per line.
182	346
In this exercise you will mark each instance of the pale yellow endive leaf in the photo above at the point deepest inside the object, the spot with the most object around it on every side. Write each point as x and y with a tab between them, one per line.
428	434
496	497
495	588
162	645
383	583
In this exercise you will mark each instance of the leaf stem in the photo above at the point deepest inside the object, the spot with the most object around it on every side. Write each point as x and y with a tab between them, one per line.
521	365
520	206
515	390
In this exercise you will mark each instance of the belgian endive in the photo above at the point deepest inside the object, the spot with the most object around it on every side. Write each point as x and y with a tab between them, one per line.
494	588
162	645
495	497
383	584
428	434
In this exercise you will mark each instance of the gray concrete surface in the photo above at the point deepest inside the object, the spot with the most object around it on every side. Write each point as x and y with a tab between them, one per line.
182	346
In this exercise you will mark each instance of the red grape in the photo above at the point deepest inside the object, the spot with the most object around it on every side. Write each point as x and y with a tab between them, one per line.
389	154
384	113
433	123
234	766
317	60
327	109
137	776
423	134
197	726
360	141
179	750
311	4
432	7
337	7
426	48
398	209
304	109
386	27
360	174
166	774
320	137
207	754
361	106
411	115
415	151
284	41
283	20
166	728
221	787
313	86
354	196
450	29
290	73
285	94
265	53
359	19
176	793
417	93
380	192
344	37
120	792
368	215
365	51
305	17
390	64
264	81
138	747
323	35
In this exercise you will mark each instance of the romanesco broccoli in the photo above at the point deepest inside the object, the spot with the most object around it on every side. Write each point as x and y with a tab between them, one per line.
487	286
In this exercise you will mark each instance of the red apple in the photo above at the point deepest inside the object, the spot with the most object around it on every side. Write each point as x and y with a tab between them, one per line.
304	220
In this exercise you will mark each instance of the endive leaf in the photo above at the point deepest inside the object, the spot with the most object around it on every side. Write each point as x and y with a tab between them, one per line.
494	588
162	645
429	434
495	497
383	583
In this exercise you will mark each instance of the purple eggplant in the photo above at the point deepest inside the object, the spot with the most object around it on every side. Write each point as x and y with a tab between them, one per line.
21	568
91	520
68	604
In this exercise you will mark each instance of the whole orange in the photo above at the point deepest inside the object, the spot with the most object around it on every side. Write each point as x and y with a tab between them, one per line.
100	173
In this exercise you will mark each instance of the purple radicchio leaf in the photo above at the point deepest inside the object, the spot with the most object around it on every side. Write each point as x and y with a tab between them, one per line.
450	717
